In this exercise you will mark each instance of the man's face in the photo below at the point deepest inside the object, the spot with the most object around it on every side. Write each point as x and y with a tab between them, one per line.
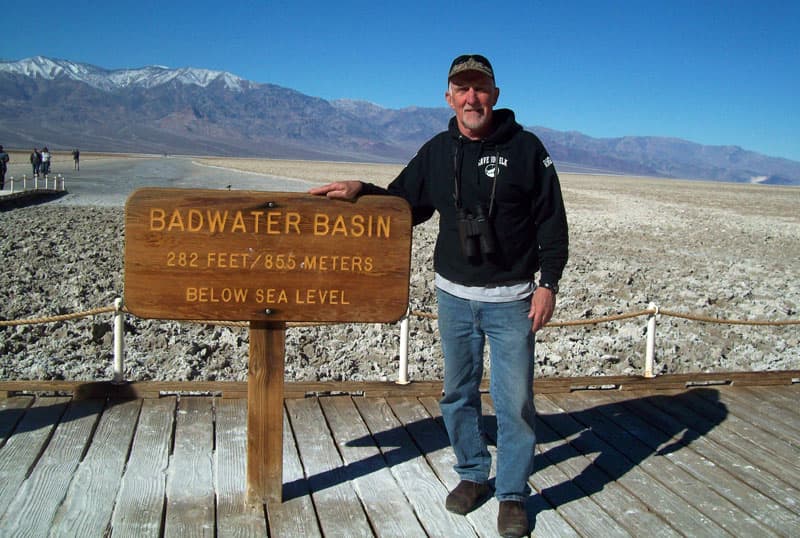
472	95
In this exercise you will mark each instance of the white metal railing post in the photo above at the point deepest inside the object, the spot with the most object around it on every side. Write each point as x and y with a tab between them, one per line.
36	182
119	342
11	179
402	376
650	351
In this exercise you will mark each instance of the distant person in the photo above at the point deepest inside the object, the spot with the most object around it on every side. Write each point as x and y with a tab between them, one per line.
76	156
36	161
501	220
45	167
4	158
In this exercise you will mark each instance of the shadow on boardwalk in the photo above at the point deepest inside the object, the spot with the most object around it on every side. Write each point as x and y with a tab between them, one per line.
566	434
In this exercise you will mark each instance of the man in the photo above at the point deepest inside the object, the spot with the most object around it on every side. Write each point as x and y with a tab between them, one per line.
36	161
3	167
502	219
44	168
76	157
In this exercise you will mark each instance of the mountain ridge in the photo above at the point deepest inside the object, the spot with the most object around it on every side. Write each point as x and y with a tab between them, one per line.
156	109
111	79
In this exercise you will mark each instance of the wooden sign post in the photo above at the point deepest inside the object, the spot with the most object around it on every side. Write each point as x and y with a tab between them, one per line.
266	258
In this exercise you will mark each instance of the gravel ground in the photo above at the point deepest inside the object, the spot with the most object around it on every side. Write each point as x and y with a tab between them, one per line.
720	250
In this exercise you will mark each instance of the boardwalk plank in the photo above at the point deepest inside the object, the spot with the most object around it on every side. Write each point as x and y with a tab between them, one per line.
543	517
756	407
19	453
699	412
87	509
383	500
790	395
235	517
11	411
687	455
33	509
784	399
756	468
647	442
586	471
337	505
420	484
623	462
140	503
555	485
786	396
751	443
190	480
431	438
295	516
747	499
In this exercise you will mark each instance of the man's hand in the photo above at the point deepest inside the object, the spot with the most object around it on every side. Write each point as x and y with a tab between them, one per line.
343	190
543	303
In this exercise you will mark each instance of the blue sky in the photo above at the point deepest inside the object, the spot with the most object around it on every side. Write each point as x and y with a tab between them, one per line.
713	72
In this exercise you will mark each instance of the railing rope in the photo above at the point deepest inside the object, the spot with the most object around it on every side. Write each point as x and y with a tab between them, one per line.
60	317
653	312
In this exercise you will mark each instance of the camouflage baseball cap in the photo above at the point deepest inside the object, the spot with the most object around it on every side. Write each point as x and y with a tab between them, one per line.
471	62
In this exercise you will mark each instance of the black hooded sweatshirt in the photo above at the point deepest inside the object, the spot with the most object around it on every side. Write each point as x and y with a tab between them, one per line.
527	214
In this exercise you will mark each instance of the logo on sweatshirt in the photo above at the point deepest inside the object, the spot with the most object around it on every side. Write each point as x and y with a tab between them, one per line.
491	164
547	162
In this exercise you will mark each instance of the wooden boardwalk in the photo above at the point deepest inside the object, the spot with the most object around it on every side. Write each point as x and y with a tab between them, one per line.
707	461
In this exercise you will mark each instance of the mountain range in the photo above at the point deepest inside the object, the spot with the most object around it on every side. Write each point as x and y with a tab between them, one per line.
156	109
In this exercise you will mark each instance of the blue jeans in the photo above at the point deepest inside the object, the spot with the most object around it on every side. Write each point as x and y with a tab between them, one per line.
464	326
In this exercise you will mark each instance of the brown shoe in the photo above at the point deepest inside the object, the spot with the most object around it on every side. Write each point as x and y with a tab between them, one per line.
512	520
466	497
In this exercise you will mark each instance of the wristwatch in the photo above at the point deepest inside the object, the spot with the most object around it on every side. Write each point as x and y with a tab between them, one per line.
550	286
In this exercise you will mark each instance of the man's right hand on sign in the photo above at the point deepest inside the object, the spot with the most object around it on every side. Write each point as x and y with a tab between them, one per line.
343	190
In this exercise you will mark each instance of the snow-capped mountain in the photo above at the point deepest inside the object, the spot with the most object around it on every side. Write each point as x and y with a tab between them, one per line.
108	80
156	109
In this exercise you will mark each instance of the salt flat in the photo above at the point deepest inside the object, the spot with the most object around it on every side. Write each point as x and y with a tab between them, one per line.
716	249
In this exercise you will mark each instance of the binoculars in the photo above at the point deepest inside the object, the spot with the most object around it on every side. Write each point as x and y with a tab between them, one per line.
475	232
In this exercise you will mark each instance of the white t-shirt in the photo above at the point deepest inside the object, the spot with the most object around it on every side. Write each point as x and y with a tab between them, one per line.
488	294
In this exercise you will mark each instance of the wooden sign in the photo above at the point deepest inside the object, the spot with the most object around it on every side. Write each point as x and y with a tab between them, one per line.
266	256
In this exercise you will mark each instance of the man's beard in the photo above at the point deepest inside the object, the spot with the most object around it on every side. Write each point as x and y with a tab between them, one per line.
475	120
